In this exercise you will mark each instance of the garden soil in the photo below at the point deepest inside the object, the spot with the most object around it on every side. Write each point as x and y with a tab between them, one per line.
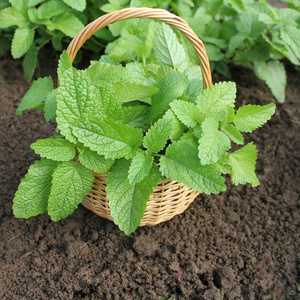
240	244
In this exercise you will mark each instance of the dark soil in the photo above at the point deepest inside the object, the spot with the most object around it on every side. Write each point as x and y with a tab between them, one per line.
241	244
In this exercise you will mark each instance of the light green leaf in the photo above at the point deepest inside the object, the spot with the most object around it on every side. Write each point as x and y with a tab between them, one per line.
233	133
170	87
251	117
37	93
135	116
100	73
194	89
67	23
31	198
34	2
273	73
22	41
76	4
14	16
70	185
223	165
167	48
291	36
64	64
188	113
50	105
158	135
140	167
29	62
213	143
131	91
94	162
109	138
177	127
111	104
76	100
136	73
128	201
55	149
51	8
212	102
182	163
243	163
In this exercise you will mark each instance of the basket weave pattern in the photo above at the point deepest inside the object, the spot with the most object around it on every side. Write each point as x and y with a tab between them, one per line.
169	198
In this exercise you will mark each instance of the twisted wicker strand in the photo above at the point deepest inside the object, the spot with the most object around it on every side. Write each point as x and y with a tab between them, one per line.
148	13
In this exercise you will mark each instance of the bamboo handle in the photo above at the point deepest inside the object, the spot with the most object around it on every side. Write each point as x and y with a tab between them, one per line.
147	13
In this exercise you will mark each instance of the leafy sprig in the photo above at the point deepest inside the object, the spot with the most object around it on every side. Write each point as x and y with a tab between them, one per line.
147	129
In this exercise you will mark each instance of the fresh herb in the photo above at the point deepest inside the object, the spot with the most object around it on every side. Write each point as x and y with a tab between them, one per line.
138	123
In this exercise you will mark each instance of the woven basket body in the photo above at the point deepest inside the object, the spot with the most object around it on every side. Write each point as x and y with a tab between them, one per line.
169	198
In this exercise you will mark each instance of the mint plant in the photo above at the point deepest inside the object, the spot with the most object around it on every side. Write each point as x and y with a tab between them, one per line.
138	123
29	25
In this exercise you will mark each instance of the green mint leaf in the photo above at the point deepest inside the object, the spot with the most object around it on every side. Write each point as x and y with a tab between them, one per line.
128	201
135	116
137	73
109	138
131	91
291	36
67	23
273	73
70	185
167	48
22	41
100	73
233	133
223	165
29	62
76	100
37	93
177	127
194	89
94	162
76	4
251	117
13	16
51	9
182	163
140	167
212	102
213	143
158	135
170	87
64	64
50	105
31	198
111	105
243	163
188	113
55	149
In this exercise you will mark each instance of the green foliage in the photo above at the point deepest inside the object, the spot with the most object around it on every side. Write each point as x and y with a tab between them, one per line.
138	122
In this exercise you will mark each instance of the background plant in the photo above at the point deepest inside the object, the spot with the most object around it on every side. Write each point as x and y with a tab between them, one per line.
241	32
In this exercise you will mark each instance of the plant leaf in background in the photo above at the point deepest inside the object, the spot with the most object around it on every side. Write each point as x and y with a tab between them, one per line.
167	48
273	73
23	39
31	198
70	184
37	93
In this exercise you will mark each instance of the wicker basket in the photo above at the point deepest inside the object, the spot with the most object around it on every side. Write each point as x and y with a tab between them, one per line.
169	198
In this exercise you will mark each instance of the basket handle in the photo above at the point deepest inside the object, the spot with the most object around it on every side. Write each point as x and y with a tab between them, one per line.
146	13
